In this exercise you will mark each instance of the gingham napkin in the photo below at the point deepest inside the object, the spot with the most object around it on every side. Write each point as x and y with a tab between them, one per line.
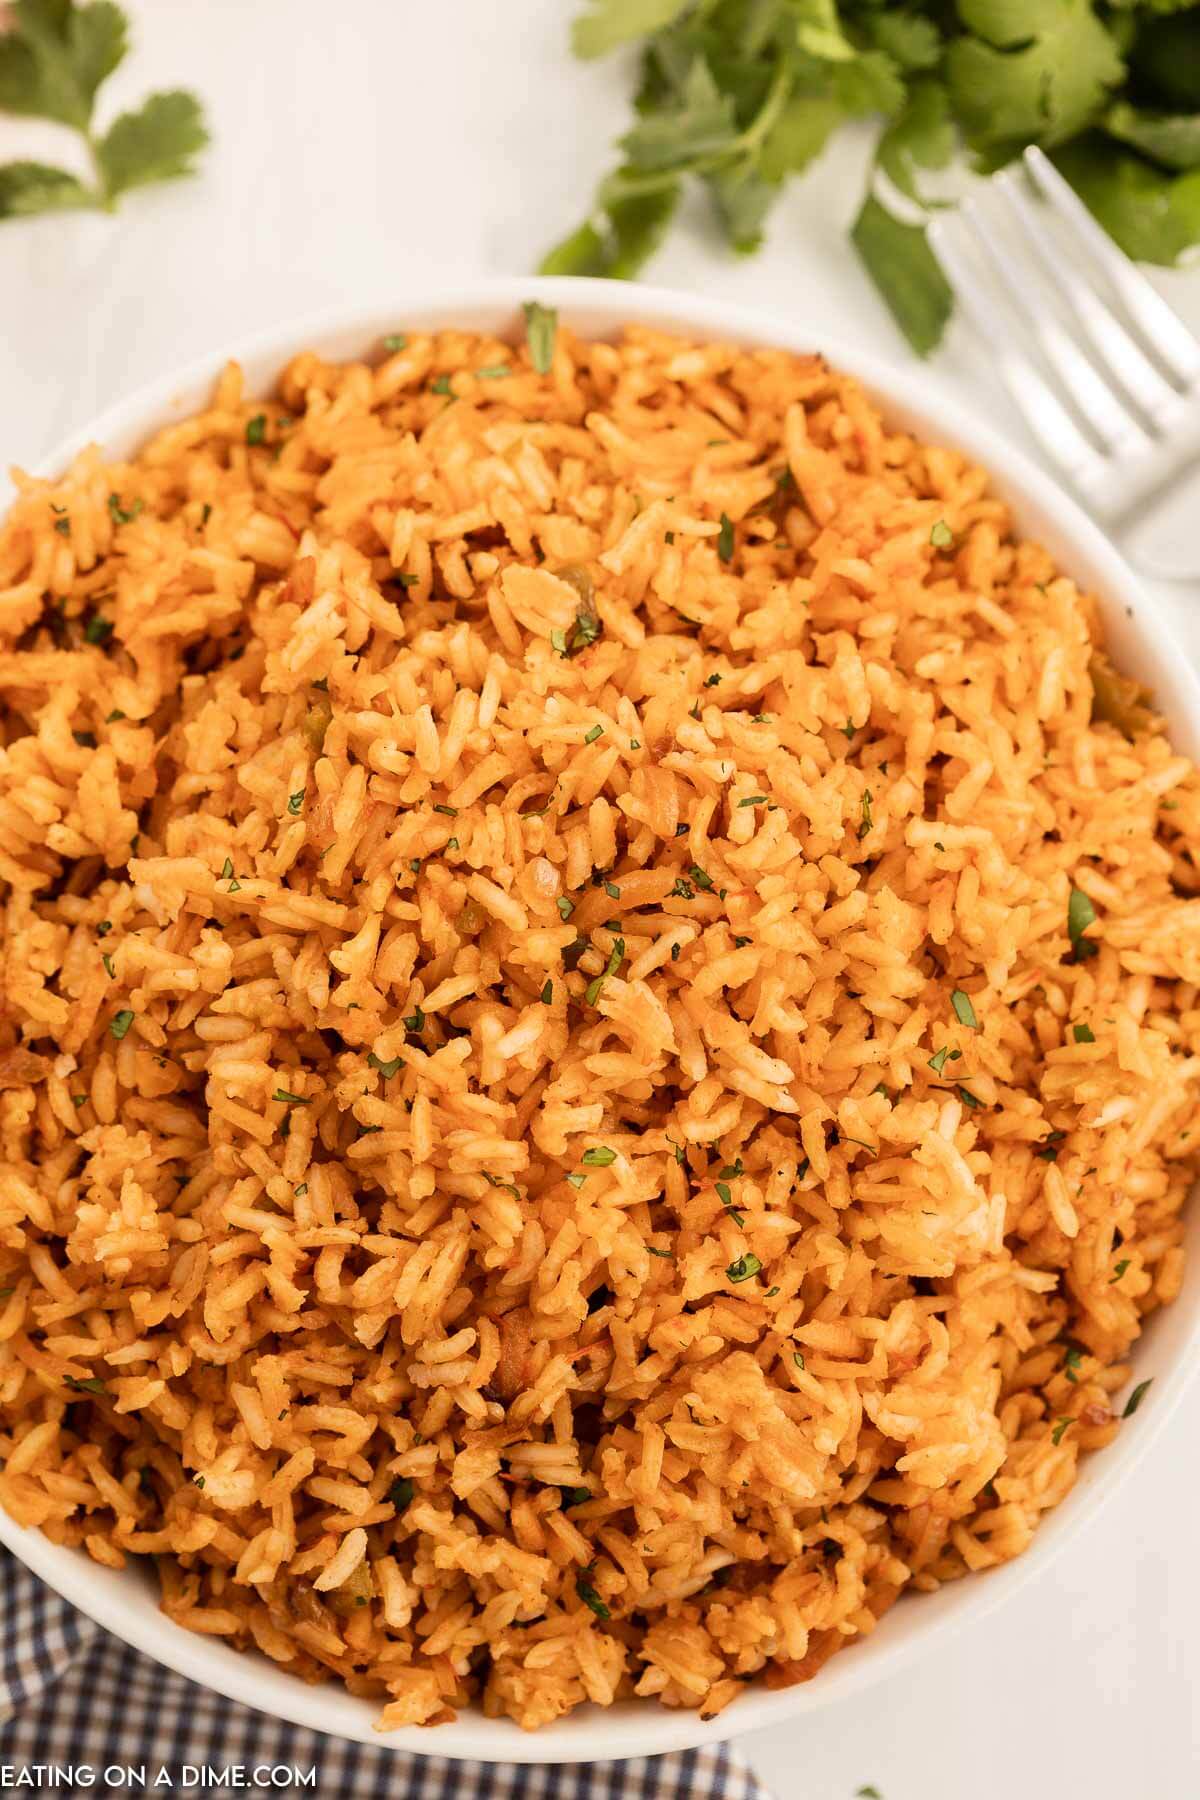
72	1696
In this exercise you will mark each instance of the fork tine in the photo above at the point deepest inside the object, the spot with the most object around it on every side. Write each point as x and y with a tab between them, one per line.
1158	323
1095	401
1049	420
1150	392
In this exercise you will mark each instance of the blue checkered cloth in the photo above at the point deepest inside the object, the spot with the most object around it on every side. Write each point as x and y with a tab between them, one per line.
73	1696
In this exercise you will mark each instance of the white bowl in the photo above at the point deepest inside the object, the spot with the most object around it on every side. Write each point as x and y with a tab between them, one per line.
1140	636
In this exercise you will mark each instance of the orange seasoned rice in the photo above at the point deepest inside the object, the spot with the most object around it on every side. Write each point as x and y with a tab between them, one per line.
600	1006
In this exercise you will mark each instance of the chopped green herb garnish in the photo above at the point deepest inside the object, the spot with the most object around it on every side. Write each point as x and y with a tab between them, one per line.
401	1492
588	1594
591	736
615	957
98	631
450	812
120	1022
565	907
739	943
90	1384
1120	1269
404	580
300	1193
63	527
1080	915
575	1496
1135	1399
753	800
964	1012
967	1098
295	802
547	994
415	1021
744	1267
109	965
867	820
414	863
541	329
452	844
725	538
256	429
441	385
601	1157
395	340
1056	1436
227	870
198	1481
558	641
497	372
713	681
612	890
941	537
798	1359
290	1099
1084	1034
386	1069
683	890
115	715
121	515
576	1179
1072	1361
666	1255
700	878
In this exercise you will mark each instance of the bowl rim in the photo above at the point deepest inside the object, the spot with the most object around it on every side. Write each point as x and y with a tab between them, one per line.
597	307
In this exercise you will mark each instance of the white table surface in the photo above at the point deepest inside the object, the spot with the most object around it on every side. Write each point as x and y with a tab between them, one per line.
365	145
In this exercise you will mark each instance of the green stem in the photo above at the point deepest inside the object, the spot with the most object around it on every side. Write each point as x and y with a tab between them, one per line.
104	193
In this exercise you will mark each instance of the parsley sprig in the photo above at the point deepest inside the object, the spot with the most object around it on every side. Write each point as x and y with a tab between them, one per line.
54	58
741	98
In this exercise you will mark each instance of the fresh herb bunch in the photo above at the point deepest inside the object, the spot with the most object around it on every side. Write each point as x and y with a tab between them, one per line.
54	58
745	93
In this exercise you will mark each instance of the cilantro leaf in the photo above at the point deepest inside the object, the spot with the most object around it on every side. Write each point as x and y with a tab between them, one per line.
906	272
1036	70
1172	139
910	41
700	123
799	134
870	84
819	32
1153	216
158	142
622	237
53	60
29	187
922	137
613	22
57	55
743	199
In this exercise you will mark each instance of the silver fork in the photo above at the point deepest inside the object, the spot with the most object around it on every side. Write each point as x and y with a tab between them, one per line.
1112	390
